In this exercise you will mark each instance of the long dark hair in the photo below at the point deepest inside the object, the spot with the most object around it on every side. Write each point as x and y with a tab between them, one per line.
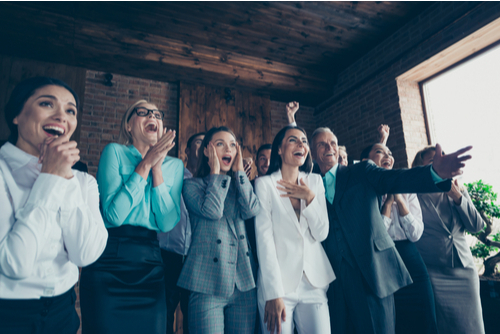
22	92
276	162
203	166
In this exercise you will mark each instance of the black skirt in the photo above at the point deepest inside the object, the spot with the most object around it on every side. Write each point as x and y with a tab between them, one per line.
124	291
46	315
415	308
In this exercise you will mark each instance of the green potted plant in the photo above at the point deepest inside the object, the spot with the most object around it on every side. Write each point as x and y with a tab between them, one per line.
487	249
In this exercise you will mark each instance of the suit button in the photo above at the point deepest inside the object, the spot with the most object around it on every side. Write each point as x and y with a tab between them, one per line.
219	241
242	237
248	254
450	237
216	260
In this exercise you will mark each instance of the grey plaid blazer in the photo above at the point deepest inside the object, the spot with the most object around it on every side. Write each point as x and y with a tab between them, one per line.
219	257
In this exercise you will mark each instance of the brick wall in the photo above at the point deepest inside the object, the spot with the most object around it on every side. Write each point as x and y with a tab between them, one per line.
366	93
104	107
304	118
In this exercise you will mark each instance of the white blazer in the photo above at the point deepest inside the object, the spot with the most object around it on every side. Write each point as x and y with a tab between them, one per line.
287	247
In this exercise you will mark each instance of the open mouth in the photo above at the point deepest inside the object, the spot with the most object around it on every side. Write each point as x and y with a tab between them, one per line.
298	154
386	164
53	130
151	128
227	160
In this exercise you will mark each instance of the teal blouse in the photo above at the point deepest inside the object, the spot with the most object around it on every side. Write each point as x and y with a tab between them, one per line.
128	199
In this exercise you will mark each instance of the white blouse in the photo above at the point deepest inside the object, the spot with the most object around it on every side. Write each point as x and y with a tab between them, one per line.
408	227
49	226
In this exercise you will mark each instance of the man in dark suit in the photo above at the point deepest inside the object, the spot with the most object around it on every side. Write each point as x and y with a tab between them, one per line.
368	267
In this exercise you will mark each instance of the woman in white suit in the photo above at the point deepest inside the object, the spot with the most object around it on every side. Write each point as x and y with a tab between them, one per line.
294	272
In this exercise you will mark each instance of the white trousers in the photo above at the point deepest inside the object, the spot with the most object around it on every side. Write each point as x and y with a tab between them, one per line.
306	308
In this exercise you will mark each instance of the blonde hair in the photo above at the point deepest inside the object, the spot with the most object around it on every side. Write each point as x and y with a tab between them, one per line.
419	157
125	136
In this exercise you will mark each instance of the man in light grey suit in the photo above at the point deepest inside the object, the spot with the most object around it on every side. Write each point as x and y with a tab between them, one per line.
368	267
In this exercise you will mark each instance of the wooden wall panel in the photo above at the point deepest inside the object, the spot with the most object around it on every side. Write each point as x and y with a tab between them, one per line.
14	70
203	107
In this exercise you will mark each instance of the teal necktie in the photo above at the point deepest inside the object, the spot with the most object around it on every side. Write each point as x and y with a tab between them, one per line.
329	182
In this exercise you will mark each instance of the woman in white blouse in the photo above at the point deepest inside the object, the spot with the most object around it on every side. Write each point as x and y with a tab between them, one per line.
49	214
294	272
415	309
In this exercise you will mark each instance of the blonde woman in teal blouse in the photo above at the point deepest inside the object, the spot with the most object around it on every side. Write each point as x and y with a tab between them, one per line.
140	191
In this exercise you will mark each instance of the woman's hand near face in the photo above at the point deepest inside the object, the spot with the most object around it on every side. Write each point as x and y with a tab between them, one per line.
156	154
238	160
299	191
274	314
213	159
58	155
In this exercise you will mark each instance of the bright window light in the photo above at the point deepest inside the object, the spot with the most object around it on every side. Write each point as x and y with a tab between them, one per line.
463	108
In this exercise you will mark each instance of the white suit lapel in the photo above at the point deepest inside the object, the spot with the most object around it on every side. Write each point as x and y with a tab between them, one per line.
285	201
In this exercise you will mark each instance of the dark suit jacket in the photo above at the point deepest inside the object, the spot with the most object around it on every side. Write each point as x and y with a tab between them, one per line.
356	203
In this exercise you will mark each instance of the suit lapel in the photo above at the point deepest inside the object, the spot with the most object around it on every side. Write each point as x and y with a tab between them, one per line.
285	201
341	179
230	208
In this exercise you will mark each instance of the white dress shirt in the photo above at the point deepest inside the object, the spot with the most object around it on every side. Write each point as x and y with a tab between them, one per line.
49	226
408	227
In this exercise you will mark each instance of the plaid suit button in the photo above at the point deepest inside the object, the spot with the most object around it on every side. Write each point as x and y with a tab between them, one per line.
219	241
216	260
242	237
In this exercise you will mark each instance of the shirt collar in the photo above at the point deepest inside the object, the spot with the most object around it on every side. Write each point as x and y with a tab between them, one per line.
17	158
333	170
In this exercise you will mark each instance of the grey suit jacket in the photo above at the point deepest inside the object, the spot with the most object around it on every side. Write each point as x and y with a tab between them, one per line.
443	242
219	258
356	203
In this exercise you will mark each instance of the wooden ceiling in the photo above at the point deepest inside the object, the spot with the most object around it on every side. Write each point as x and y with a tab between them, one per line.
289	50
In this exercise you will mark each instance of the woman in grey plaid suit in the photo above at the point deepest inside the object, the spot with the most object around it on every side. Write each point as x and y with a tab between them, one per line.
219	266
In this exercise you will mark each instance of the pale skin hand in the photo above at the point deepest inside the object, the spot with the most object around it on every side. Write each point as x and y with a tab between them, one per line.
274	314
247	162
155	156
383	131
238	160
386	208
156	169
291	109
455	193
298	191
450	165
213	159
58	155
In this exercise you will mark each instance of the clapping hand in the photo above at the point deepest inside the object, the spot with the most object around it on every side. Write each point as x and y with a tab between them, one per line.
247	163
58	155
450	165
159	151
299	191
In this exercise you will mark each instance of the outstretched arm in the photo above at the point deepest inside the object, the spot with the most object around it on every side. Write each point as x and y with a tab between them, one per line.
383	131
291	110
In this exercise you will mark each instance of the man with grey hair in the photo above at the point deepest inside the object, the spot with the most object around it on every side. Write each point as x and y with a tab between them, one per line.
368	267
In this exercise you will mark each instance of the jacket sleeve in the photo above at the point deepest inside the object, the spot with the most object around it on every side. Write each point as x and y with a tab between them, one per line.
469	216
316	212
269	268
118	197
83	229
205	197
166	198
247	200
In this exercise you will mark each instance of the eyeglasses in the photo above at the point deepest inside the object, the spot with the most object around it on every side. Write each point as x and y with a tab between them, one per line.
143	112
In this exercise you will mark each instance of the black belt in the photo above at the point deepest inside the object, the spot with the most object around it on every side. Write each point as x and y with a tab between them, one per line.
129	231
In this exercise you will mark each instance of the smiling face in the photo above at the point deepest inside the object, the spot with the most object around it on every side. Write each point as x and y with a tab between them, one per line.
225	147
263	162
294	148
145	129
50	111
325	153
381	156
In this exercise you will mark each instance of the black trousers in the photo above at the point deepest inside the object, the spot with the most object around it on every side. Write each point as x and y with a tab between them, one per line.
415	307
354	308
173	263
124	291
40	316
